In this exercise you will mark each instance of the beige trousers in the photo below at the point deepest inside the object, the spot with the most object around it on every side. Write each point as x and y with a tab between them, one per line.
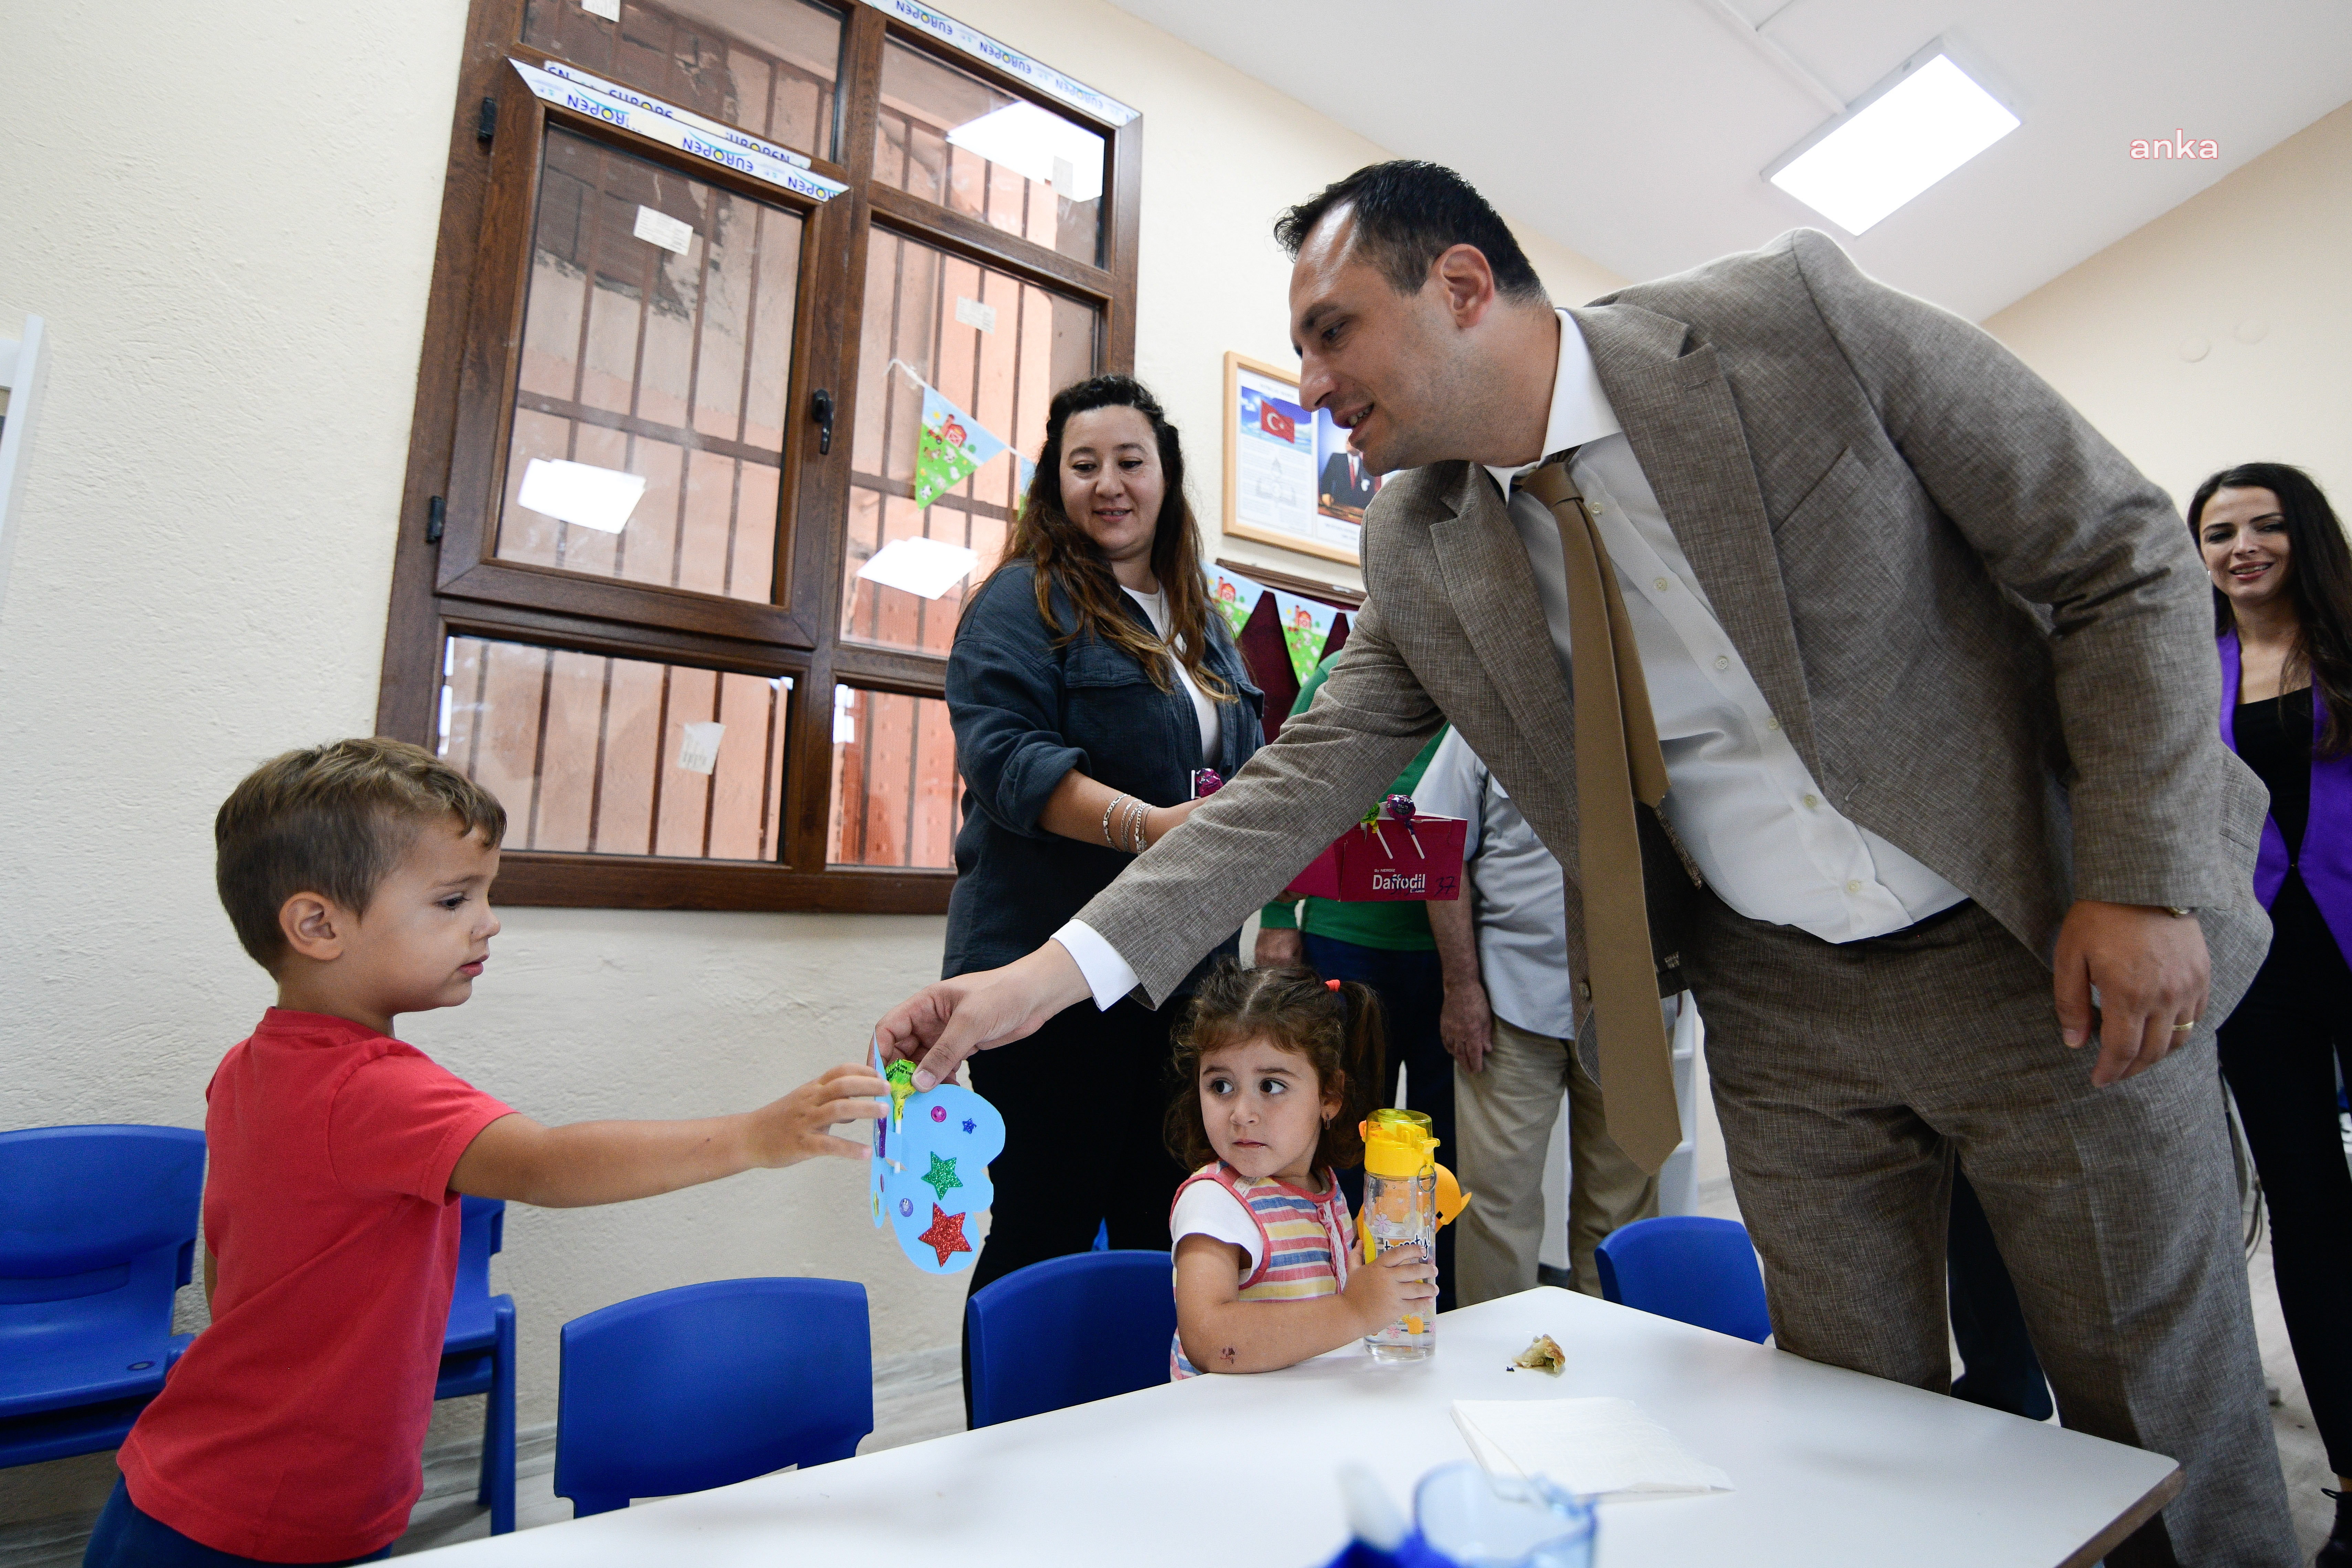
1503	1117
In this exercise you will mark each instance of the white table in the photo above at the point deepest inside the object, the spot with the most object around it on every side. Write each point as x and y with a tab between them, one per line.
1831	1467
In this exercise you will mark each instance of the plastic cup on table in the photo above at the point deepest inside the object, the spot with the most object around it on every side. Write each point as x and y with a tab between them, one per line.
1478	1520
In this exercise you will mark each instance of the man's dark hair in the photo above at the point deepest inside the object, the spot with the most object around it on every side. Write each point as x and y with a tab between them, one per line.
1407	215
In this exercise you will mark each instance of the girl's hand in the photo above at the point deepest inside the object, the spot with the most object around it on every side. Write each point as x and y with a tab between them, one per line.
795	1128
1400	1282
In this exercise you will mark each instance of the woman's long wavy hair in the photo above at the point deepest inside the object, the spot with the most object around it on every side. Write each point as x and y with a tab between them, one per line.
1048	538
2318	583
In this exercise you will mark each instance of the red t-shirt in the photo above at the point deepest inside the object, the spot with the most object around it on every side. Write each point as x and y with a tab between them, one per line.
293	1429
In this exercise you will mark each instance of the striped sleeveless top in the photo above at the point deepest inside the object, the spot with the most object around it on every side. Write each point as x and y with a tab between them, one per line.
1303	1247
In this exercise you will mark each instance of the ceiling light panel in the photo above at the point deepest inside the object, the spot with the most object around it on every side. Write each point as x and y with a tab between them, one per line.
1910	132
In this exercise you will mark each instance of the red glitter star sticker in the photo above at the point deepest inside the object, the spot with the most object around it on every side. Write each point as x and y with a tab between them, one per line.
946	1234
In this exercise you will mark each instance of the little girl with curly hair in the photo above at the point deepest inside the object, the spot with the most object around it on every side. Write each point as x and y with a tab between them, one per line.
1279	1067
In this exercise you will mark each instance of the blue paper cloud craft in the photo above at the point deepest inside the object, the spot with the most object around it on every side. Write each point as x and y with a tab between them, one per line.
930	1174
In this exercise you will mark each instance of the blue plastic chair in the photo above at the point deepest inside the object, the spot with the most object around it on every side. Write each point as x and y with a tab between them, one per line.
98	1229
1688	1267
479	1354
1068	1330
710	1384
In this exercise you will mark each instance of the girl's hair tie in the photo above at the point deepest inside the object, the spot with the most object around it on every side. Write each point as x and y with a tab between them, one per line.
1330	985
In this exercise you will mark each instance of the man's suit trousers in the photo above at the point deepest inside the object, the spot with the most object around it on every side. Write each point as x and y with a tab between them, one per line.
1847	1077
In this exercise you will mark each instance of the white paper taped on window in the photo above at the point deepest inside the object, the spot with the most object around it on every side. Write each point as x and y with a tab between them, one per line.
699	752
659	228
581	493
925	567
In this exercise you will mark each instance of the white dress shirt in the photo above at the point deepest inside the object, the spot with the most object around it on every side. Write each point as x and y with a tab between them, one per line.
1738	795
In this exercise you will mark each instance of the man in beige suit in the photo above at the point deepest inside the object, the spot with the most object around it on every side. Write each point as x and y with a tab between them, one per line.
1932	678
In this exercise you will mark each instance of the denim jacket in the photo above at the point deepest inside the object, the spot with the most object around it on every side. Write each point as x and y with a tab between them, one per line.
1025	712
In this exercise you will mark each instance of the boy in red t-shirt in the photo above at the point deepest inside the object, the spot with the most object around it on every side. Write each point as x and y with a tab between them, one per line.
358	874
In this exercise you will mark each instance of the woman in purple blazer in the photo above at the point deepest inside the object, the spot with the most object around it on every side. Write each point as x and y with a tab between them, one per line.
2282	606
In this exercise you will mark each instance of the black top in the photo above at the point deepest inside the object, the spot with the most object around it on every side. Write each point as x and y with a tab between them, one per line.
1025	712
2274	739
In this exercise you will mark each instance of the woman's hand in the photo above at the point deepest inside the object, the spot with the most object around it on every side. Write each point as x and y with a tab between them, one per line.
1162	820
1403	1281
1093	813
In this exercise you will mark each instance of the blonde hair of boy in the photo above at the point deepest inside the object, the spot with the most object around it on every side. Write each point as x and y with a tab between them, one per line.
333	820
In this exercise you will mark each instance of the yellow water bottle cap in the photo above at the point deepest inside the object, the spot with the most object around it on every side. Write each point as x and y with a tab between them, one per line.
1398	1145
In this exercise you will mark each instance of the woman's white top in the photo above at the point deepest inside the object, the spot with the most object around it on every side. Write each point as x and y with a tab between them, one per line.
1204	710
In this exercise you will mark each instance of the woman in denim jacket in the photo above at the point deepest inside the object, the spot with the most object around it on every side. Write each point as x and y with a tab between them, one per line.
1091	676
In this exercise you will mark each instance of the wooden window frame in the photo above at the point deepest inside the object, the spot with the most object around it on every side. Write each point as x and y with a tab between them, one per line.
458	446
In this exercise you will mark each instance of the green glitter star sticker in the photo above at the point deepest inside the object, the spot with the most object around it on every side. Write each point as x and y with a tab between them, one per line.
943	1175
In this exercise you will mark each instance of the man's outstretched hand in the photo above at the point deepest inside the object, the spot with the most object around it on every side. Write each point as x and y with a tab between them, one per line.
2151	970
946	1022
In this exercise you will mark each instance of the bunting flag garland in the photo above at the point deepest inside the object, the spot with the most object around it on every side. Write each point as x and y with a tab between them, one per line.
951	447
1305	625
1235	596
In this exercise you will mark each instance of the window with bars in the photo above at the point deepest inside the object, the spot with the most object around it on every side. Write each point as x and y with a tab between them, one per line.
705	265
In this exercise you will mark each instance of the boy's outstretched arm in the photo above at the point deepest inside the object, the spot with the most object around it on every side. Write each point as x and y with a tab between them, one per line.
611	1161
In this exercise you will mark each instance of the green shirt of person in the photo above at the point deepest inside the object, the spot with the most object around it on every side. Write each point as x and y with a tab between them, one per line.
1398	927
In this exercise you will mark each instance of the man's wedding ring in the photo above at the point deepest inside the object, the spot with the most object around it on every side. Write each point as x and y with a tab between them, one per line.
2184	1028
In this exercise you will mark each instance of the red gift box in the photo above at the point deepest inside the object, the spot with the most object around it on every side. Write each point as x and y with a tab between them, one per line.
1401	862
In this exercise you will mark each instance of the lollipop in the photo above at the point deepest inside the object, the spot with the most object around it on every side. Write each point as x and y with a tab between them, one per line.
1399	808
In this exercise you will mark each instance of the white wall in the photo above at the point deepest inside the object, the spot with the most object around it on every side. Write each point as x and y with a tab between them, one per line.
1223	153
234	283
2253	271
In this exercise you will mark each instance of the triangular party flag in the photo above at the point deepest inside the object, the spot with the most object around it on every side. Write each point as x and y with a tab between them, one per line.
1235	596
953	444
1025	475
1304	626
1268	661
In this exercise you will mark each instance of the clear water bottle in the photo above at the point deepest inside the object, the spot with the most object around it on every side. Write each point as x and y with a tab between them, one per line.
1401	1210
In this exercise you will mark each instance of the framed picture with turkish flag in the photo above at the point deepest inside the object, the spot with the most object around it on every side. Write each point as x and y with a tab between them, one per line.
1271	476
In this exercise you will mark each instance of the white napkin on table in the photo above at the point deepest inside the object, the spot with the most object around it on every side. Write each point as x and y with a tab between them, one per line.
1598	1446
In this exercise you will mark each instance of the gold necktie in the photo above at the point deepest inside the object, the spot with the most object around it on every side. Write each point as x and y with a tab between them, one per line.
1618	761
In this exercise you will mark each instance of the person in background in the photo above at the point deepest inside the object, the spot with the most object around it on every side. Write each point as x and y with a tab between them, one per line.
1088	679
2282	610
1509	1023
1388	947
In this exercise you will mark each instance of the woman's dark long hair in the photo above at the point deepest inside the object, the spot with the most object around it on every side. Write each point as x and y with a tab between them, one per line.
1047	536
2318	583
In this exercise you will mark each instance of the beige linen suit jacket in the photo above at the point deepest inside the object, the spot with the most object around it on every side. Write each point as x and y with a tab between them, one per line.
1987	635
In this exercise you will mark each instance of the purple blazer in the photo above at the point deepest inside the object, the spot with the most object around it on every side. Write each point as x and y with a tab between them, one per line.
2326	859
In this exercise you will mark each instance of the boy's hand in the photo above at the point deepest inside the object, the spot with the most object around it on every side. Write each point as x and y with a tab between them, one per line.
794	1127
1401	1281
